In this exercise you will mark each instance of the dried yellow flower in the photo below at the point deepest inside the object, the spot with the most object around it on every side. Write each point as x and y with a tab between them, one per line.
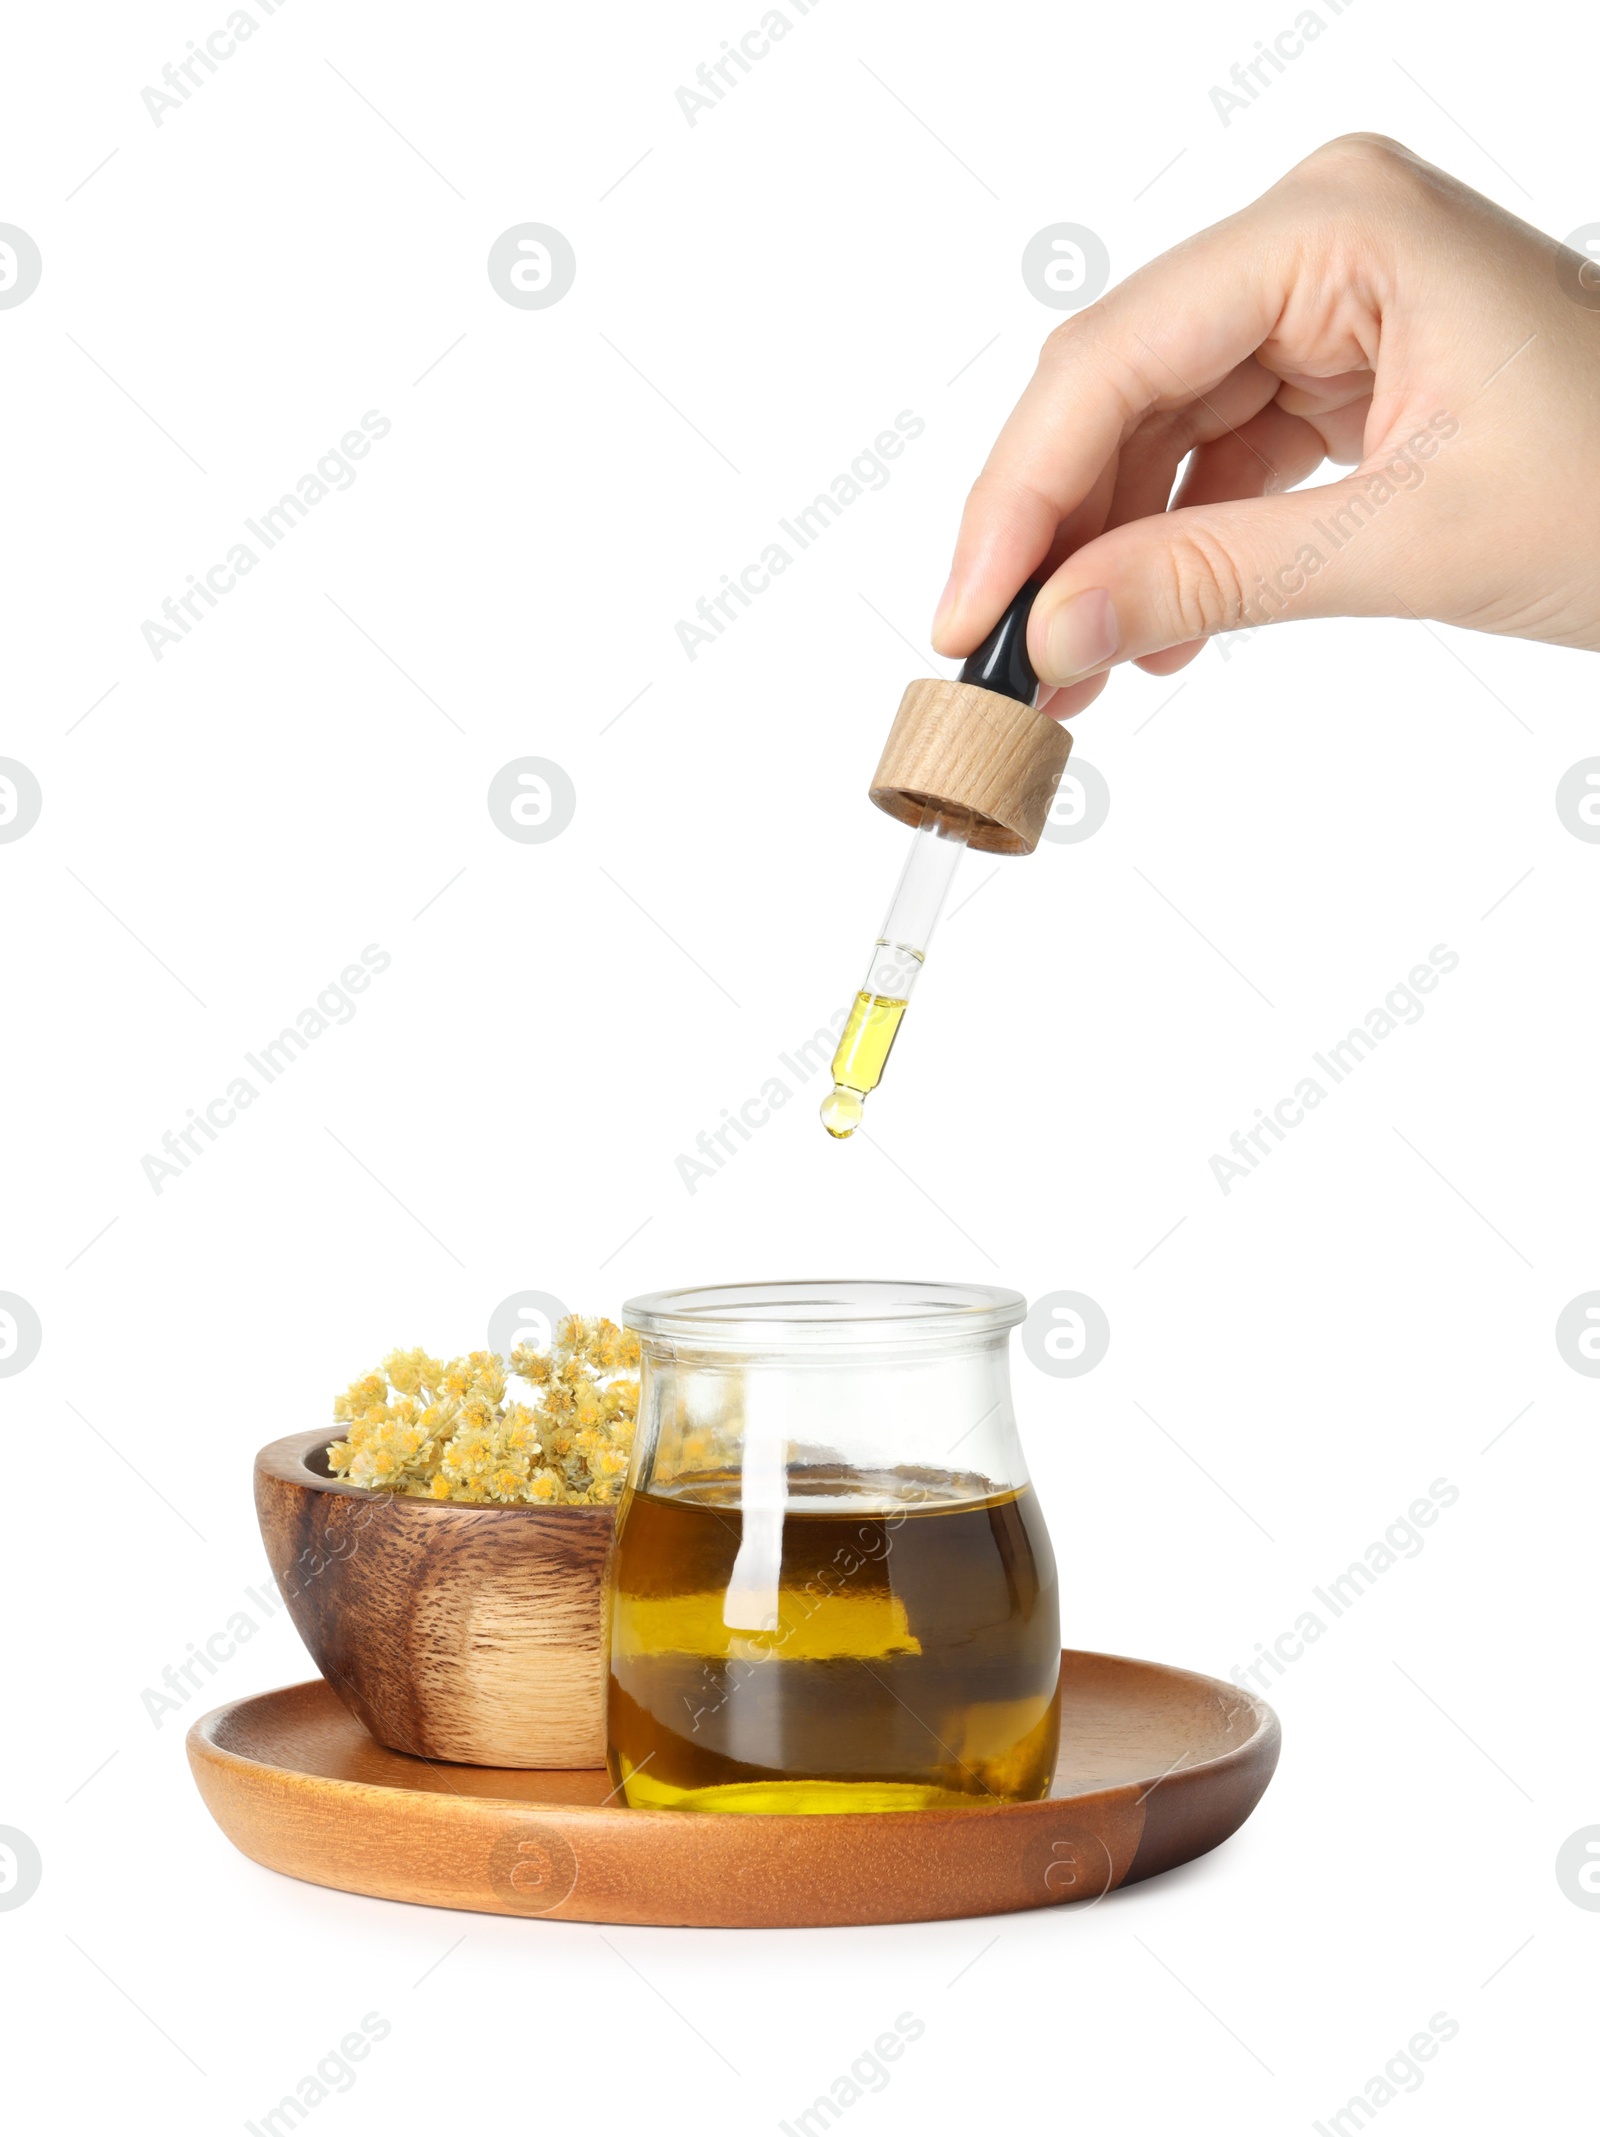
431	1429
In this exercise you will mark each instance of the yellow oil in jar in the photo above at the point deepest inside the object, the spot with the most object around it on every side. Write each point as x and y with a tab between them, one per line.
911	1662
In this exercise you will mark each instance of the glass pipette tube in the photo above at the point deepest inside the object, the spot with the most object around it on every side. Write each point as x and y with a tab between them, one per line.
937	845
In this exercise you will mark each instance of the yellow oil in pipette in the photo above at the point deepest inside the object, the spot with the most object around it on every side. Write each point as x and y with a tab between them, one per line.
859	1060
880	1004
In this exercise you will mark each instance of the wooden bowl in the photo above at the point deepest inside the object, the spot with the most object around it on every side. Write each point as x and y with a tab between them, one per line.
465	1633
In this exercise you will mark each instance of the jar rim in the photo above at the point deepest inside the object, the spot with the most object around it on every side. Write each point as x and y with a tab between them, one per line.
811	1314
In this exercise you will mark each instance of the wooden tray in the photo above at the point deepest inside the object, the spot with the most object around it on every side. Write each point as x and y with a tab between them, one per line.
1157	1766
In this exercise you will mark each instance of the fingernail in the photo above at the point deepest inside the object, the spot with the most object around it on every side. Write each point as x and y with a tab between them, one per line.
1082	634
946	608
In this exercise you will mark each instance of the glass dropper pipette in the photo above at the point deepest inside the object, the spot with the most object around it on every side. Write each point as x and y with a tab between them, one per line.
937	845
940	836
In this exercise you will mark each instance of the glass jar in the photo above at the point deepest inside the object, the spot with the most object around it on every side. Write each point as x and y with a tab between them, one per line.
832	1588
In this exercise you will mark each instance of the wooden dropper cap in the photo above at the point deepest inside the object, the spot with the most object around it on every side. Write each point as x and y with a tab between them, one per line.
977	745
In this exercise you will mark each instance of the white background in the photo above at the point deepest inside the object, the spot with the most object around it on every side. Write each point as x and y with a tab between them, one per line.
305	773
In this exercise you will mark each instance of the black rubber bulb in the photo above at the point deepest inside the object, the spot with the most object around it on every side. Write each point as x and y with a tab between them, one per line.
1001	663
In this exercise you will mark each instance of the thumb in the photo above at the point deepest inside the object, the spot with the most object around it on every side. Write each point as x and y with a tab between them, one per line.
1342	549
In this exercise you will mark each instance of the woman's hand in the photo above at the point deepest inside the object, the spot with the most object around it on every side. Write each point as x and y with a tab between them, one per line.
1368	309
